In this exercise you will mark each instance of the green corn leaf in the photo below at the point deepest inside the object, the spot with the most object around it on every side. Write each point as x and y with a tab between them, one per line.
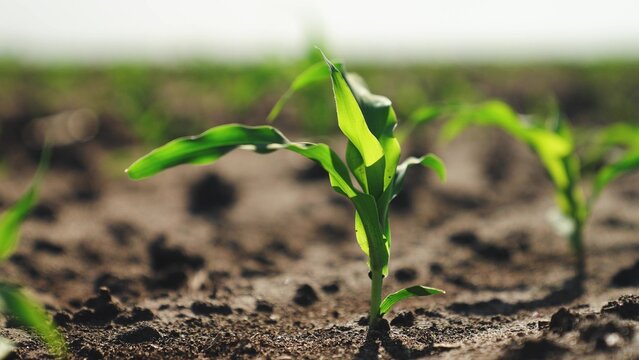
375	108
214	143
360	234
381	120
552	150
32	315
12	218
402	294
313	75
491	113
620	134
610	172
551	147
218	141
6	347
431	161
425	114
369	232
362	238
392	149
351	120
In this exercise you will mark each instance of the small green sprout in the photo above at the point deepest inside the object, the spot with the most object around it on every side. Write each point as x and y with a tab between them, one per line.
372	157
14	301
552	140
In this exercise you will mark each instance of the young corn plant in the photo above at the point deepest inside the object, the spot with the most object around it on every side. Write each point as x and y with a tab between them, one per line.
552	140
372	158
14	301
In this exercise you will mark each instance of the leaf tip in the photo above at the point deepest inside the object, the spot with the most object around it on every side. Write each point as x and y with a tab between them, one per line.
328	62
131	173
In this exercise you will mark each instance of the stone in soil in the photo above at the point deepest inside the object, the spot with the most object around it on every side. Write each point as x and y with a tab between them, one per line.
403	319
144	333
136	315
436	268
171	279
464	238
97	310
115	284
122	232
44	212
90	353
493	252
626	307
627	277
332	233
313	172
210	195
563	321
46	246
62	318
405	274
305	296
520	239
331	288
263	306
382	327
164	256
207	308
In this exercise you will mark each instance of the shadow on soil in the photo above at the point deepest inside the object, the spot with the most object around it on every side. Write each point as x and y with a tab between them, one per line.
570	290
394	347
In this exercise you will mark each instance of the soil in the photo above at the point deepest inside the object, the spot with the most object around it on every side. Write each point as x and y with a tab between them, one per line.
255	257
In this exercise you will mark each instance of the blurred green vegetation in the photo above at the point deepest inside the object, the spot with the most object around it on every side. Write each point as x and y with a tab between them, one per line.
155	103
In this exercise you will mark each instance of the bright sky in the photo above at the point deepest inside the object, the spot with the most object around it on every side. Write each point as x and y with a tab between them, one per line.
398	30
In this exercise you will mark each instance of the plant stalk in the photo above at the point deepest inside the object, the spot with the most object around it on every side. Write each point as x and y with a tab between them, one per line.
577	246
376	299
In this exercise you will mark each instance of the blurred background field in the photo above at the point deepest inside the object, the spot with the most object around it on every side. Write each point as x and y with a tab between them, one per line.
150	71
154	103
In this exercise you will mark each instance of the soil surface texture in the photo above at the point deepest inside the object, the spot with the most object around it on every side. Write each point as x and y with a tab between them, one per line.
255	257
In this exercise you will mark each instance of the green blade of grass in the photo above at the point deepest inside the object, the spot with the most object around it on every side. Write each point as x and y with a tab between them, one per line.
214	143
32	315
408	292
12	218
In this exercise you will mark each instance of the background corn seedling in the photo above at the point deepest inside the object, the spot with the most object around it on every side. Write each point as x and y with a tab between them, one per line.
15	301
551	138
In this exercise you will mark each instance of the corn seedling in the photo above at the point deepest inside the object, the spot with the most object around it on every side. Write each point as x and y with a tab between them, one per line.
14	301
372	158
552	140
